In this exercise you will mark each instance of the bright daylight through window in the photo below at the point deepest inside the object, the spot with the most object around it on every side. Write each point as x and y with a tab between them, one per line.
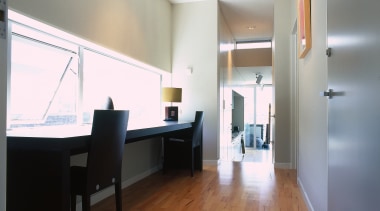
48	86
253	45
44	82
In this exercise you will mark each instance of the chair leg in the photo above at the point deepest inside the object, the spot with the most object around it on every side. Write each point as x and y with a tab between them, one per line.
198	158
192	162
164	163
118	196
73	202
86	203
167	155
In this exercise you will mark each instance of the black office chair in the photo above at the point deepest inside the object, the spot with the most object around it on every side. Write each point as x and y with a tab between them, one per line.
185	147
104	160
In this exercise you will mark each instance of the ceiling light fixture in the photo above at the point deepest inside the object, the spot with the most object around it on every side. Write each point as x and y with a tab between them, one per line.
251	27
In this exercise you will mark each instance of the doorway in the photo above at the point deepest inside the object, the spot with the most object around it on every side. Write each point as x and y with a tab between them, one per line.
251	113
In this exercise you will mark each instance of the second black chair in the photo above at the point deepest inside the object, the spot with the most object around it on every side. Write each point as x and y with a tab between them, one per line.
104	160
185	147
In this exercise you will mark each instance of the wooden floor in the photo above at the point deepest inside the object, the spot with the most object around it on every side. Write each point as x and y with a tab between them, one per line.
229	186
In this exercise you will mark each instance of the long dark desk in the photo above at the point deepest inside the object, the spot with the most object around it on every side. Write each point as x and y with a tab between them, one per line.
38	161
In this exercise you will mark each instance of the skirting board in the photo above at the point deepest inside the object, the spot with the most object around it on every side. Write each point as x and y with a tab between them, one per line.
283	165
211	162
304	195
111	190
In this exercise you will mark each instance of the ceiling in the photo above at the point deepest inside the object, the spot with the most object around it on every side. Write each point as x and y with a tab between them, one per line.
248	20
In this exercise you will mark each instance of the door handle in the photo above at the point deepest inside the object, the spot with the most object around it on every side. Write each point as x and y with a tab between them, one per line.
329	93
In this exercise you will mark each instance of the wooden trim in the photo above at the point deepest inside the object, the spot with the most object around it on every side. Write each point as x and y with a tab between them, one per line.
304	27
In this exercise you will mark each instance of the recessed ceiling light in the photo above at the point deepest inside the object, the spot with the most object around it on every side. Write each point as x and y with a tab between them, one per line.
251	27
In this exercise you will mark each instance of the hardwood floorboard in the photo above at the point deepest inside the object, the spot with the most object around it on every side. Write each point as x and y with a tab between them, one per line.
231	186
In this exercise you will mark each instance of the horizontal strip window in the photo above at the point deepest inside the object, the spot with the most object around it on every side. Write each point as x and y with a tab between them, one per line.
253	45
56	80
42	42
35	35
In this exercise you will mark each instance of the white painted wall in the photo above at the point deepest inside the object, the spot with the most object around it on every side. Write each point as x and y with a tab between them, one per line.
313	147
140	29
281	81
253	57
195	44
226	66
312	151
3	120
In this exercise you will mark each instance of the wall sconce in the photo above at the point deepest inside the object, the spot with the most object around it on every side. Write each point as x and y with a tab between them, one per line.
172	95
258	78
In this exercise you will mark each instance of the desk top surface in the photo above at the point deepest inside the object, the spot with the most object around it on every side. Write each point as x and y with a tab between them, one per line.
84	130
71	137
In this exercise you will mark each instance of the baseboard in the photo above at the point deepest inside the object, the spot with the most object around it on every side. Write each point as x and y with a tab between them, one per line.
111	190
304	195
139	177
283	165
211	162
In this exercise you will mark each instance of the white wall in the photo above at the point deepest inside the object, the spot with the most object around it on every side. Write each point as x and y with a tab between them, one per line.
312	151
140	29
281	82
253	57
226	65
3	120
195	44
313	147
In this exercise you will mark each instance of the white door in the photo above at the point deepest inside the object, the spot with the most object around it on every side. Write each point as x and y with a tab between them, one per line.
353	29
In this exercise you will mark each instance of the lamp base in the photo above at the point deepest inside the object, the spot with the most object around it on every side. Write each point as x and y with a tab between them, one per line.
171	113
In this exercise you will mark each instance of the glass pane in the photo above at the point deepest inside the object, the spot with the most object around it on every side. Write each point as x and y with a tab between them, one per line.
263	99
131	88
44	84
256	111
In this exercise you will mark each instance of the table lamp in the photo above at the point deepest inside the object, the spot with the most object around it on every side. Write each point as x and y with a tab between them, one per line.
172	95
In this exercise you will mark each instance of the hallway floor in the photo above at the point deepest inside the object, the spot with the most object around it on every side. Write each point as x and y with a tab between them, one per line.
231	186
254	155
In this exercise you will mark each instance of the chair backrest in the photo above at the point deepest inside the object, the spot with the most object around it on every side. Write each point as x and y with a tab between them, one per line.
109	104
109	130
198	128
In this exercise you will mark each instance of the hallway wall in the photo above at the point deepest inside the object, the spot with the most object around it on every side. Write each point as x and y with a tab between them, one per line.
312	149
313	141
226	67
195	45
282	84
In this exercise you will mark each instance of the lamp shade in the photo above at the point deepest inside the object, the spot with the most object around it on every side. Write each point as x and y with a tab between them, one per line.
170	94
